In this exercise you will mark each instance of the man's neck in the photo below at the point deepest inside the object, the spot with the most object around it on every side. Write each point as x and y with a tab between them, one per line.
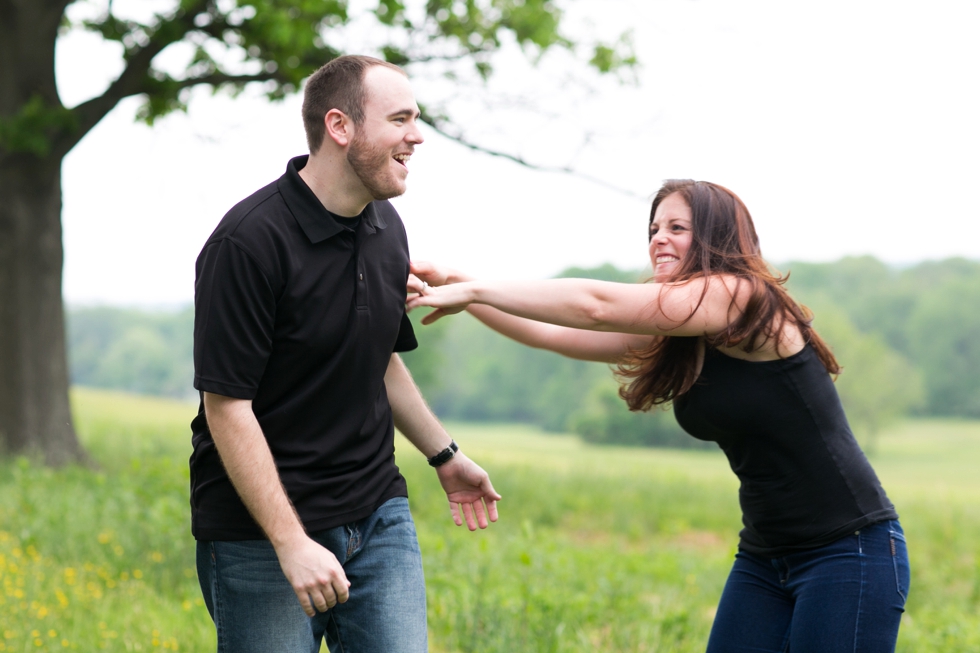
335	185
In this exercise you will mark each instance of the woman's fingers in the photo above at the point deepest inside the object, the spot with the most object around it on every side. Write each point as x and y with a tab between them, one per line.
428	272
414	285
444	300
433	316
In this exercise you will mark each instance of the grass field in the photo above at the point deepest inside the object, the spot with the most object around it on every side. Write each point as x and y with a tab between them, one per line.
597	549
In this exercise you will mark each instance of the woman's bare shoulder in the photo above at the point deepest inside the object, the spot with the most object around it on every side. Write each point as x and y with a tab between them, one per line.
789	342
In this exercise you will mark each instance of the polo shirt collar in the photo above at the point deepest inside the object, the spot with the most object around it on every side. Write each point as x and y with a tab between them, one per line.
314	219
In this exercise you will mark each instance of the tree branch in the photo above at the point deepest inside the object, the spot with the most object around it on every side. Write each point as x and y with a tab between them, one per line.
459	56
58	5
96	108
219	79
533	166
130	82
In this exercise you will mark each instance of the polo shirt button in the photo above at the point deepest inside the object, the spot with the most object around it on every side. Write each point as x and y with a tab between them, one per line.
361	277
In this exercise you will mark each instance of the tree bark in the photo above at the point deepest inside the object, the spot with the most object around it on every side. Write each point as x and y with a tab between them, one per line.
35	416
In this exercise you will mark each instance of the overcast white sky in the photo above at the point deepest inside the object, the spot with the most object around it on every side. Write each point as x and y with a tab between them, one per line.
848	127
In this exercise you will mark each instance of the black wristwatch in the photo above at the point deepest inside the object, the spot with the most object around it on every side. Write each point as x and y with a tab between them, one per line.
445	455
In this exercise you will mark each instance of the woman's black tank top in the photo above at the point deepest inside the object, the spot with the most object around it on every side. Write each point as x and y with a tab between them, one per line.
804	480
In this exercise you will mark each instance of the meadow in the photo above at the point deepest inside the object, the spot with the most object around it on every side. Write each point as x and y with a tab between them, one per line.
597	548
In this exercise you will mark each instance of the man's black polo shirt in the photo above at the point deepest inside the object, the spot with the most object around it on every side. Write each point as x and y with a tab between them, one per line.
300	313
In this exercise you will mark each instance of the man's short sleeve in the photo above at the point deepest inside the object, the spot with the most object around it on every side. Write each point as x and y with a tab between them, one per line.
406	335
234	320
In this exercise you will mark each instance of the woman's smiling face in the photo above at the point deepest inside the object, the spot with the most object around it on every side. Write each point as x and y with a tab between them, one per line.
670	236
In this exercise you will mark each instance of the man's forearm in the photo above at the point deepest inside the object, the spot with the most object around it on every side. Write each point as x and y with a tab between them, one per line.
251	468
314	572
468	488
411	414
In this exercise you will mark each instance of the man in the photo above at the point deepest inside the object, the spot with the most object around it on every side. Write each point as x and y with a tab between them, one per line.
300	513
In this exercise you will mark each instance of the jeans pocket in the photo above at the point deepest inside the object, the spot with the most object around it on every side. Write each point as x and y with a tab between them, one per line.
900	560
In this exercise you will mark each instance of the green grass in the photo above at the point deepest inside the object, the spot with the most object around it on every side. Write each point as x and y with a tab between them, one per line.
597	549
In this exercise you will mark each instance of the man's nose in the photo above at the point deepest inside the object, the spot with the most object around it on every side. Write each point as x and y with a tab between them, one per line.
414	135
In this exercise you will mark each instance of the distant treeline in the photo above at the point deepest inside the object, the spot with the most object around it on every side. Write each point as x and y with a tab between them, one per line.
134	350
909	341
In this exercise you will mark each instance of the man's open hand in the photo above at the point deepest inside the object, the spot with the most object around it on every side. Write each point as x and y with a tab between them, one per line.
469	491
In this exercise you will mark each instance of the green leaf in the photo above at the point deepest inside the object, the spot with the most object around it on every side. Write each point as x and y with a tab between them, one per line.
395	55
281	42
390	12
34	127
618	56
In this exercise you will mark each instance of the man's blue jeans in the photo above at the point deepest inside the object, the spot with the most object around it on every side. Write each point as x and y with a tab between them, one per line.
256	611
847	596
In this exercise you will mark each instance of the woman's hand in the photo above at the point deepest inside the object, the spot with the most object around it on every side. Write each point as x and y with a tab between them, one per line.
414	287
447	300
437	275
423	276
424	273
454	294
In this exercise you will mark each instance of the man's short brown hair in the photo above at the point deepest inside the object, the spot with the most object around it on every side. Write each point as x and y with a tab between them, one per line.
339	84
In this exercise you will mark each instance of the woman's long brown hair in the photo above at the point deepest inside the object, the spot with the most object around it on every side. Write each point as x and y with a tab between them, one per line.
723	242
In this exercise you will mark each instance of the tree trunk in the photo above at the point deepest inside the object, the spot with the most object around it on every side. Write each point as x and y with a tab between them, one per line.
35	416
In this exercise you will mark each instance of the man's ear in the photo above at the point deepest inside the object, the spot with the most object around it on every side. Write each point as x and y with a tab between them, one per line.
339	127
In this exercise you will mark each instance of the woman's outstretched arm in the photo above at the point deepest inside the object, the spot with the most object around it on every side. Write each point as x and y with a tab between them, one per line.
692	308
574	343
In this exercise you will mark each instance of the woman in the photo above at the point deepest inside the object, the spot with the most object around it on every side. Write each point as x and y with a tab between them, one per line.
822	564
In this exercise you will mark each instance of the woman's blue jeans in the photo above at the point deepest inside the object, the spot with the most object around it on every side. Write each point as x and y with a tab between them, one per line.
847	596
256	611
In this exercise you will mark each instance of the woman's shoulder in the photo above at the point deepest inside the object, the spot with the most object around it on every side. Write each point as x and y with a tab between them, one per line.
789	342
726	286
722	289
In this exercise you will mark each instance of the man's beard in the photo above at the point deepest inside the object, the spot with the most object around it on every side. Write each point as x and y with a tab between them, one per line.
372	166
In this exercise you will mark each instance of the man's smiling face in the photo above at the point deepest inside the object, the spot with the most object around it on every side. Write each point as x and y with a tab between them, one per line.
383	143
